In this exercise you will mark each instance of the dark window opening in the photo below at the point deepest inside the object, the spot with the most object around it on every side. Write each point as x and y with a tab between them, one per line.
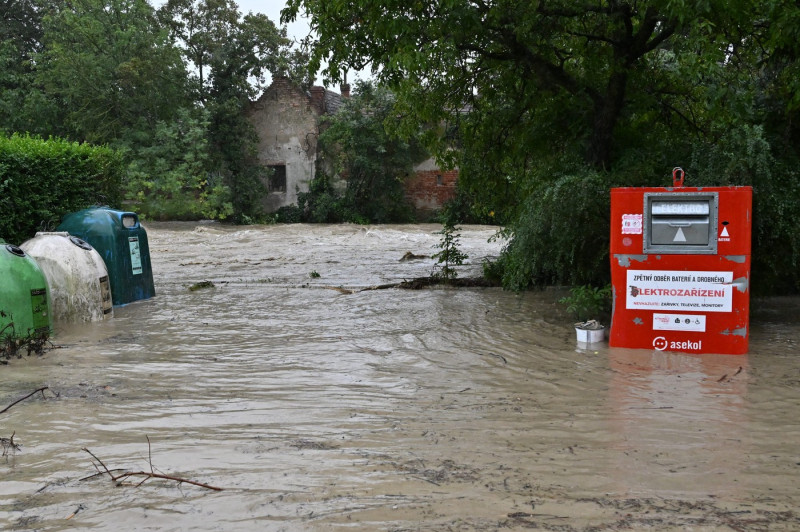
277	181
439	180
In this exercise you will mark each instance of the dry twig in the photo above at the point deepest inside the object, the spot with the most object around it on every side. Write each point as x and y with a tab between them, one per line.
73	514
121	478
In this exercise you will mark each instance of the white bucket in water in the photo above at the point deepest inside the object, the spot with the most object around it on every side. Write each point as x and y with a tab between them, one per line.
590	332
77	276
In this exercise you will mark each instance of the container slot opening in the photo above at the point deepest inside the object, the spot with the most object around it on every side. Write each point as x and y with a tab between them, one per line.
15	250
80	243
680	223
129	221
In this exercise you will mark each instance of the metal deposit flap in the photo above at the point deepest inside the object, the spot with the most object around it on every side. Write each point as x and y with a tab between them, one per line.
680	223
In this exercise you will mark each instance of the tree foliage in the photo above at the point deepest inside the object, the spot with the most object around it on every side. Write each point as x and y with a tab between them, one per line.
166	87
231	55
110	68
20	40
171	178
373	162
224	47
568	66
552	103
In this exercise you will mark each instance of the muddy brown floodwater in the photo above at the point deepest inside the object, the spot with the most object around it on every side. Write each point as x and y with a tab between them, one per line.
437	409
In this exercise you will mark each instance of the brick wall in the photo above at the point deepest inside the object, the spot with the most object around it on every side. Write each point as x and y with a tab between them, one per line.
318	98
428	190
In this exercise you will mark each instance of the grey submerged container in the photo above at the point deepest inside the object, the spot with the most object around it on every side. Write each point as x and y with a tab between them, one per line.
121	241
80	289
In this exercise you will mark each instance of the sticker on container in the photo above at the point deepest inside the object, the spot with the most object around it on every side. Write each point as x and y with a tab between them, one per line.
679	322
39	308
105	294
724	236
136	255
661	290
631	224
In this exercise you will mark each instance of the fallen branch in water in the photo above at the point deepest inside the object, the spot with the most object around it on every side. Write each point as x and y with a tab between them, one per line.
8	443
380	287
42	389
339	289
426	282
119	479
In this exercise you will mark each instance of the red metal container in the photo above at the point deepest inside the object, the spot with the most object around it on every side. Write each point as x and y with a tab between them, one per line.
680	268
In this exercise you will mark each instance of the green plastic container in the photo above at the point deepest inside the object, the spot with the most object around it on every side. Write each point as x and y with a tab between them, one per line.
24	299
121	242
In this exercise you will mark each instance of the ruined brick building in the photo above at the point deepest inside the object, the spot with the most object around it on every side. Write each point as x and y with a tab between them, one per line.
287	120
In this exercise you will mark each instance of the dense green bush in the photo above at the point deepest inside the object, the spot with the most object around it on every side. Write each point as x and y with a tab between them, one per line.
562	234
464	208
288	214
323	203
41	180
170	179
589	302
744	156
373	161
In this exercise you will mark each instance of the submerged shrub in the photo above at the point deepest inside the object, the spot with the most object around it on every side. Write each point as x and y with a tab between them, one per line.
561	236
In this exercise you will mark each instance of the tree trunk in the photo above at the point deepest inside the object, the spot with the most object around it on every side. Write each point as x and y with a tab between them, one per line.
607	112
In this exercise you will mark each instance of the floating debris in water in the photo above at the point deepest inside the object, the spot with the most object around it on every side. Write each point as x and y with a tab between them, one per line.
201	285
412	256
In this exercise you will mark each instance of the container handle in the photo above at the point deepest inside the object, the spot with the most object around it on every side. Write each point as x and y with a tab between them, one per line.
677	177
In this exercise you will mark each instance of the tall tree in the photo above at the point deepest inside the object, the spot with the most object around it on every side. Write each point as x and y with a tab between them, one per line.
548	100
201	28
111	68
232	56
20	40
574	72
215	35
374	161
584	54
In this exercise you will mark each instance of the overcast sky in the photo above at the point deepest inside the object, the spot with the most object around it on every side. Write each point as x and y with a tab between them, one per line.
272	9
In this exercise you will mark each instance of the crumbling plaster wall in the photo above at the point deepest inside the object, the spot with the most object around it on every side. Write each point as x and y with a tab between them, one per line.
287	123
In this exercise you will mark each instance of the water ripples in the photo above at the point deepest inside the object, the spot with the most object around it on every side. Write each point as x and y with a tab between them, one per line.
312	406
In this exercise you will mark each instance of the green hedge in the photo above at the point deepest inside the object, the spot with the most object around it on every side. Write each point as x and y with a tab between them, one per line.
41	180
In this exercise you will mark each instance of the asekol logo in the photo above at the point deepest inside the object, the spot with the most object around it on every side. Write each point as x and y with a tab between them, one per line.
660	343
